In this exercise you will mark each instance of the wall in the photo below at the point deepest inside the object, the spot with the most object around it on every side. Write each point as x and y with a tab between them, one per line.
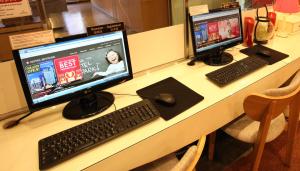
138	15
11	94
156	47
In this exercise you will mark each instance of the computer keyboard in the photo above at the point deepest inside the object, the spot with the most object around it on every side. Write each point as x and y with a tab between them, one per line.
66	144
236	70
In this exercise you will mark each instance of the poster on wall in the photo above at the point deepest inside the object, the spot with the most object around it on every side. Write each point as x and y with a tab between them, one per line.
14	8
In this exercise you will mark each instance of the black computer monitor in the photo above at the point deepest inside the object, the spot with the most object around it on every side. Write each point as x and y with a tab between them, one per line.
215	31
75	69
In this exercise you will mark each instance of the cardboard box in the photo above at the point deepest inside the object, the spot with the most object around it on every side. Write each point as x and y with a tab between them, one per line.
289	23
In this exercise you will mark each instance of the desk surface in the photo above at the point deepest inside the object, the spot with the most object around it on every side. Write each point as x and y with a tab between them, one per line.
19	146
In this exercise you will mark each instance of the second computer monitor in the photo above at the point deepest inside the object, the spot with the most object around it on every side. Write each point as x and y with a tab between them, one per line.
215	31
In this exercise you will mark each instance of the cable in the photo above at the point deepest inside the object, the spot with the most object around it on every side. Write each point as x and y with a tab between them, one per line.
124	94
13	123
193	61
115	106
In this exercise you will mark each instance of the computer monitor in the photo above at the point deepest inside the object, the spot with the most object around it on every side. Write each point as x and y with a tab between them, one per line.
75	69
215	31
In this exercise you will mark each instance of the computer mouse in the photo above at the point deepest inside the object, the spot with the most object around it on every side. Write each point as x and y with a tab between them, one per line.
166	99
264	53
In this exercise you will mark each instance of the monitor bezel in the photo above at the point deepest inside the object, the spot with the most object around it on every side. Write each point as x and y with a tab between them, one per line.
204	53
65	98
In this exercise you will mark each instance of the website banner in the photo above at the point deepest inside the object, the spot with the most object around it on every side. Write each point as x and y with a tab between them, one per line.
216	30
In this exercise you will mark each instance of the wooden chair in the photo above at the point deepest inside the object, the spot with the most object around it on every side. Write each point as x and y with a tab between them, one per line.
171	163
264	119
294	82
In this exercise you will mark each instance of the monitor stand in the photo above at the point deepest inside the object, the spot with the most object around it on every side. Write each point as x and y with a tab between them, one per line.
218	59
88	105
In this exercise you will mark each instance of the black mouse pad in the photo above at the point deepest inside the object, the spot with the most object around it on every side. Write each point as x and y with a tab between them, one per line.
275	56
184	96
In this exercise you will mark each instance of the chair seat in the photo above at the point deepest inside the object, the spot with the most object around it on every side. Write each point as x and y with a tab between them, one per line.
245	129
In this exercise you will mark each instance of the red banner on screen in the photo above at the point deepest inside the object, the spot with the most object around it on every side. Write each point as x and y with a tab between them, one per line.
213	31
68	69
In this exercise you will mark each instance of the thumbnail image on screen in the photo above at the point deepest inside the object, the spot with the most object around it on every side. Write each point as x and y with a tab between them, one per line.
56	70
214	29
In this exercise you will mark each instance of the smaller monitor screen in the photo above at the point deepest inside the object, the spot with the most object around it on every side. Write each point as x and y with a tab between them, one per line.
216	29
56	71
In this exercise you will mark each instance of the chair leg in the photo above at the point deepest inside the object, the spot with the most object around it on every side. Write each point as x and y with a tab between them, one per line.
292	129
260	141
211	146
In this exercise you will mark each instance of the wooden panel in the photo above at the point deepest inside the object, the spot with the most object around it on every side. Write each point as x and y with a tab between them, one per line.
129	12
106	5
5	49
138	15
56	6
10	89
155	14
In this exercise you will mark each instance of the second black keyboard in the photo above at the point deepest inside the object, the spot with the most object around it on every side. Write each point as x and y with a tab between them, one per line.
236	70
66	144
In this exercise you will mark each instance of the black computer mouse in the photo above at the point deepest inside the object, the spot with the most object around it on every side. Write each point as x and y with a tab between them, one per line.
264	53
165	99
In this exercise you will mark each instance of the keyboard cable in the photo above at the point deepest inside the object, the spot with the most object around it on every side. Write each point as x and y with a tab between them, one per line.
13	123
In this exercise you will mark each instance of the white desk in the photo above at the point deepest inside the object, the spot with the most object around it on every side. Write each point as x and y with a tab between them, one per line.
19	146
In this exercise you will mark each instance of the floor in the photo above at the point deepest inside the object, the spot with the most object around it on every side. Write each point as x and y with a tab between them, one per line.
233	155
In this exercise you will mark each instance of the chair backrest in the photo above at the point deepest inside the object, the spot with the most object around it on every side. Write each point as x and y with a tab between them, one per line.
256	106
272	100
200	146
191	157
294	83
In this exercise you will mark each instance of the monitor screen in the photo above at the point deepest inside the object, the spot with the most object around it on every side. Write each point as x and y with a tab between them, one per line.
216	30
59	72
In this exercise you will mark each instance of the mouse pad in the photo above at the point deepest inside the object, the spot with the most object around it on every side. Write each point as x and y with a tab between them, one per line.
184	96
275	56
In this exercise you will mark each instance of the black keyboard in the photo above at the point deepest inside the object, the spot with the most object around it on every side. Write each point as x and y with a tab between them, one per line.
66	144
236	70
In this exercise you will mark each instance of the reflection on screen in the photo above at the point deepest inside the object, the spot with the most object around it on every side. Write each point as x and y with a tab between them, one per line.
62	68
